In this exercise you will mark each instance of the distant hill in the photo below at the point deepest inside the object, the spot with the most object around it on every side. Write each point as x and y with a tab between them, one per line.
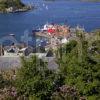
9	3
6	4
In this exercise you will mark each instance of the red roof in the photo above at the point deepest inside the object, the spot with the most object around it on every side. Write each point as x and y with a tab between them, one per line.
51	31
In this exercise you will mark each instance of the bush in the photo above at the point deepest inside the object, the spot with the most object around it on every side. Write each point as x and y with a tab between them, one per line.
67	93
84	74
34	79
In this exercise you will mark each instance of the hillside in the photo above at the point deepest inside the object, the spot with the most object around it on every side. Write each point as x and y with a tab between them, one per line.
11	5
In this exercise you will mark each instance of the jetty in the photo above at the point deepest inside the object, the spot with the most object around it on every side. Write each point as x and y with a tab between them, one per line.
43	34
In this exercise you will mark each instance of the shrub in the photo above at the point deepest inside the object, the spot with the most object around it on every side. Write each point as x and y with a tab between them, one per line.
34	79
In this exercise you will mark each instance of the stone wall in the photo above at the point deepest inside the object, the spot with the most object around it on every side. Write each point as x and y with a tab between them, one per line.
9	62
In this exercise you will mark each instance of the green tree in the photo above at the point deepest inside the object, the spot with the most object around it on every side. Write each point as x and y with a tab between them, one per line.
84	74
35	80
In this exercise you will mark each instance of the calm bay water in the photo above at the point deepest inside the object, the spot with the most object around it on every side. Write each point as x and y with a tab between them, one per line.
86	14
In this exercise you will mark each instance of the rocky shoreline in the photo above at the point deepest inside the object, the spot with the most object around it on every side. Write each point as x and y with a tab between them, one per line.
12	10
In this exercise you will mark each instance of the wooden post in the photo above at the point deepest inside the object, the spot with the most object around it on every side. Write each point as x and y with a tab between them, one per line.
1	50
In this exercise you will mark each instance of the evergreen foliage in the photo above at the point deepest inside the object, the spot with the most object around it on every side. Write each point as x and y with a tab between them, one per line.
77	78
84	75
16	4
35	80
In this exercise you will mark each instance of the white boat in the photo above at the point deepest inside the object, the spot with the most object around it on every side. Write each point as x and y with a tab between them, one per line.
45	27
43	5
47	8
11	34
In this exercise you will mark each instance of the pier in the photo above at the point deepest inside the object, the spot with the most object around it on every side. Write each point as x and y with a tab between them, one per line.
43	34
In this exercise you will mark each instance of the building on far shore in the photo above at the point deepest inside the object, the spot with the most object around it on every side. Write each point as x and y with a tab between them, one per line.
10	9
